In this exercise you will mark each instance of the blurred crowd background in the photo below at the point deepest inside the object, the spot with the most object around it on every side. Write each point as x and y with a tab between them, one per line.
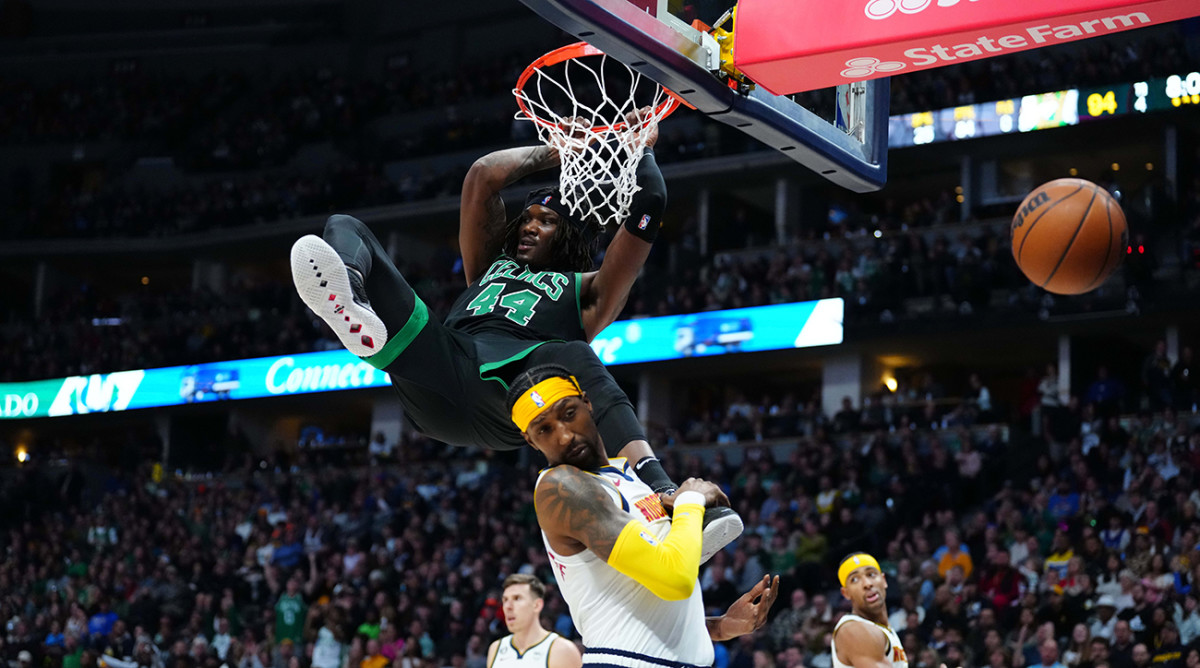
1003	548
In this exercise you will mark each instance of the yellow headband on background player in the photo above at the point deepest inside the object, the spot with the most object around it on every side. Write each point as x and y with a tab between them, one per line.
542	396
855	561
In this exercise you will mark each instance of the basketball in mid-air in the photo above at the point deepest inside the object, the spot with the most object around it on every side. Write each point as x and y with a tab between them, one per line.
1068	236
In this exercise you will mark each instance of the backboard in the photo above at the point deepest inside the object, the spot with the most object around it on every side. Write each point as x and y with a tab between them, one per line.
644	35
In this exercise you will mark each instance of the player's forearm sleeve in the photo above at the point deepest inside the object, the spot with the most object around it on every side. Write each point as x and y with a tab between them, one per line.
649	202
669	568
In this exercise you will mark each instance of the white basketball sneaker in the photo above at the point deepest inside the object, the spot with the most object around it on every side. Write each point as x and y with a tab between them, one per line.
335	293
722	525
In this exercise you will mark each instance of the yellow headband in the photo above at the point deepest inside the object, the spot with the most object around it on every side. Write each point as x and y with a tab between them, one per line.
856	561
542	396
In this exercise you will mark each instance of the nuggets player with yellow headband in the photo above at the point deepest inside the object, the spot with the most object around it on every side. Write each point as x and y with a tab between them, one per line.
627	570
863	638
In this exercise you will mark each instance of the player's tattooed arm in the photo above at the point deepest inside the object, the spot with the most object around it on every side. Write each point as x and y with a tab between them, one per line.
510	165
482	214
574	510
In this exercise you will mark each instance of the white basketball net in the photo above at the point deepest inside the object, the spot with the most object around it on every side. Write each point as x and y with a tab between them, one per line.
598	152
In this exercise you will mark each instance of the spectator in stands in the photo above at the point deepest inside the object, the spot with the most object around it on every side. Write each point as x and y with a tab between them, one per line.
1001	584
1061	553
1120	654
953	553
1050	400
1156	377
1098	653
290	613
1105	620
1141	656
374	657
101	623
1078	649
288	553
1106	393
381	449
1168	652
788	623
812	546
1187	619
827	496
978	401
847	419
1064	502
1154	526
782	559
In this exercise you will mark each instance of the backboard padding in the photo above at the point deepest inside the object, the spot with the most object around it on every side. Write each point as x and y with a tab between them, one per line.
678	62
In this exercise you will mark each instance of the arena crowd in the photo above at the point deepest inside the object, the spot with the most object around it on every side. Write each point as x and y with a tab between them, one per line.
1075	547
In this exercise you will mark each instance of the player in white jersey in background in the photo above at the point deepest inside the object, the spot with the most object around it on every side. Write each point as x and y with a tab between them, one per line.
627	570
528	644
863	638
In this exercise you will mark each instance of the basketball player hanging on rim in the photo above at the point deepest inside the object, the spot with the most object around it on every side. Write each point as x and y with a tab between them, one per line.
863	638
627	571
528	644
532	298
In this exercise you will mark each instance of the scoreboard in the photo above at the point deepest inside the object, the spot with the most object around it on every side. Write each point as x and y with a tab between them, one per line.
1175	91
1043	111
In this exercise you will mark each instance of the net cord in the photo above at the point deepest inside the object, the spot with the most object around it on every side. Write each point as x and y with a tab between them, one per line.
598	176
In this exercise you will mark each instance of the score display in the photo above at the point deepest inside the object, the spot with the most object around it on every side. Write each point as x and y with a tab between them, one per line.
1183	90
965	122
1032	112
1043	111
1140	97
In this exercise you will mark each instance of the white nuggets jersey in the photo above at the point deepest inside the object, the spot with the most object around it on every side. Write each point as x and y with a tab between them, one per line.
537	656
894	653
623	624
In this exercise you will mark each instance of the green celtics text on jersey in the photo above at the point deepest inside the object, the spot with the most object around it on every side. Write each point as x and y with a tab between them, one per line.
512	299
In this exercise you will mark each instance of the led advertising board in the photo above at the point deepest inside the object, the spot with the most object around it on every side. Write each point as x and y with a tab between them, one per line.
782	326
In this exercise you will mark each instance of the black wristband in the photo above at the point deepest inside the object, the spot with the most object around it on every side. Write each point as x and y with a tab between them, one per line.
651	472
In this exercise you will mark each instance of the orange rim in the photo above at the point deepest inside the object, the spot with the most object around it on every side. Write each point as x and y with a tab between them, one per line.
580	50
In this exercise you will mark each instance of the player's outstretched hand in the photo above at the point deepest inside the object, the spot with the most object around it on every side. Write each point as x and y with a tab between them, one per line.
575	135
642	123
748	613
713	496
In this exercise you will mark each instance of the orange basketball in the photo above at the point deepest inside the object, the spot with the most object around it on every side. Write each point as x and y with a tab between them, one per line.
1068	236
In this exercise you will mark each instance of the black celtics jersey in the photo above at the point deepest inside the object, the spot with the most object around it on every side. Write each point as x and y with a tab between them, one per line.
512	299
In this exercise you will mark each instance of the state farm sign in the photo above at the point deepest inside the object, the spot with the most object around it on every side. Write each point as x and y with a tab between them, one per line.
788	46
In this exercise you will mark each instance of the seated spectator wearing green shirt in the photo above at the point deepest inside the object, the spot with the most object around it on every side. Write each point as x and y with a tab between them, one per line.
370	626
783	560
812	544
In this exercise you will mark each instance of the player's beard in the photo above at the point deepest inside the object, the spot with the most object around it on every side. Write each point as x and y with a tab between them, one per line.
585	453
